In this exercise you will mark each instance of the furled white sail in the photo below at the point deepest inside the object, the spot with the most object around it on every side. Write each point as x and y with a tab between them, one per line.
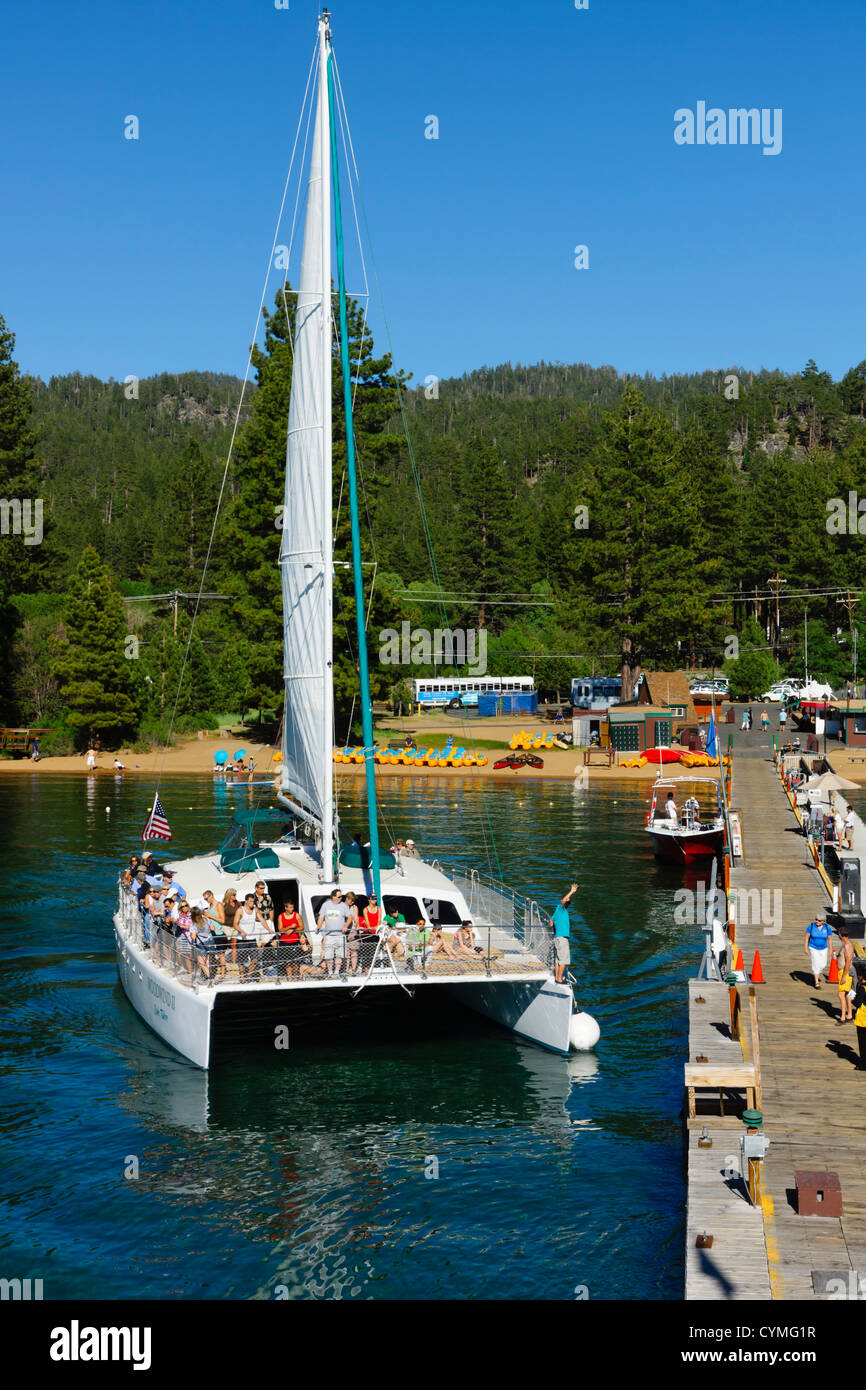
306	553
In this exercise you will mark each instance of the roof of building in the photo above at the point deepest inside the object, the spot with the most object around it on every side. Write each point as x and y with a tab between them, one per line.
667	688
624	714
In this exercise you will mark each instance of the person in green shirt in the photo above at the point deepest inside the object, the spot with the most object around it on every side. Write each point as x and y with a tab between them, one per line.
395	943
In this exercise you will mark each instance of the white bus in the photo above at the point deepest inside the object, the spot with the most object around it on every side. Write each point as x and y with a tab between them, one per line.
440	691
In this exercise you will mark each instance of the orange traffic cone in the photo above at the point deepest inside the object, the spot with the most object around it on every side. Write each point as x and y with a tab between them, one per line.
757	976
833	977
739	962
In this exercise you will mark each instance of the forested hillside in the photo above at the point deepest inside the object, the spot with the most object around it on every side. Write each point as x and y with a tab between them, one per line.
584	519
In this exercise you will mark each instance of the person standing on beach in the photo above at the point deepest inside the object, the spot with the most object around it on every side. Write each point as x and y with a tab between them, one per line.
846	976
91	759
816	946
561	934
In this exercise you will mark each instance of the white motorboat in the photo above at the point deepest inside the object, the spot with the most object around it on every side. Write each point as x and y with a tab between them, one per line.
206	1003
697	831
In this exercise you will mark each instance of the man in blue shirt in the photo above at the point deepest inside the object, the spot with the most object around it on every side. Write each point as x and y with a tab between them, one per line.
816	945
562	931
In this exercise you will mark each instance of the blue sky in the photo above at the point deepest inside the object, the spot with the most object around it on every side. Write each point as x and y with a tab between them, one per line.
556	129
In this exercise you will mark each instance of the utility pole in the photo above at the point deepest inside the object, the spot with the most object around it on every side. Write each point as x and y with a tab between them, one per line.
777	583
850	603
806	645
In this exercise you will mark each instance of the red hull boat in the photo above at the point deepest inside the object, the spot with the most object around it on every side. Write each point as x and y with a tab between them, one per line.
697	831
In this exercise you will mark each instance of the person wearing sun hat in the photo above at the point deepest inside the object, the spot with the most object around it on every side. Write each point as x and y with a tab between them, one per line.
410	852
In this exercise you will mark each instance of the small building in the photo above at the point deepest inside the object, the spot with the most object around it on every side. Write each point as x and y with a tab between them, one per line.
853	718
670	690
635	728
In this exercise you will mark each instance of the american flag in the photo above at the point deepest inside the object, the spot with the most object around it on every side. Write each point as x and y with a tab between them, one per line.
156	826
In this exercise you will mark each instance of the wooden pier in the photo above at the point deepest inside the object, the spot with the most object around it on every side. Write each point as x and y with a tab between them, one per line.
812	1097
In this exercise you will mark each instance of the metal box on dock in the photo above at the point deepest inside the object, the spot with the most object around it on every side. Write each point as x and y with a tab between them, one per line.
818	1193
849	914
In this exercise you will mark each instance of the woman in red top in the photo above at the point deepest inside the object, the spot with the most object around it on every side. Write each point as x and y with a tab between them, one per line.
369	923
290	951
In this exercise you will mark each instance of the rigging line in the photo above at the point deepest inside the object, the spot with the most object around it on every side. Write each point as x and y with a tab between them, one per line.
289	339
348	146
486	824
229	455
488	835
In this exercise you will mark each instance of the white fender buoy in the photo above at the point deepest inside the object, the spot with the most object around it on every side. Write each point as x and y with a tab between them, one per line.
583	1032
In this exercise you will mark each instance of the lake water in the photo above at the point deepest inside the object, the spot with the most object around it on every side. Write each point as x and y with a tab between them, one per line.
312	1174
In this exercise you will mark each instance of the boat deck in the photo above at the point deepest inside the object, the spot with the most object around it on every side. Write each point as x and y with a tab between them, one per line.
519	953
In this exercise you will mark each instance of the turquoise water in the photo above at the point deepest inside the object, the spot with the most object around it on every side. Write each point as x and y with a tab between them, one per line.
465	1166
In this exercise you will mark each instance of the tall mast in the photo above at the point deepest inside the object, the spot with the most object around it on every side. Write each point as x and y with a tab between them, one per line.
324	173
354	512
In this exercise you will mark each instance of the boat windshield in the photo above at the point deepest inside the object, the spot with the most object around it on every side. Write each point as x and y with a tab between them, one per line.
251	829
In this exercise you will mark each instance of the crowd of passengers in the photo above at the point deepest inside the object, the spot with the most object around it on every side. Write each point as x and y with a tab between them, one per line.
261	942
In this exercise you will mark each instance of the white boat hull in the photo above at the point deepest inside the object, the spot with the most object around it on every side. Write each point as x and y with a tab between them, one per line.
539	1010
180	1016
191	1021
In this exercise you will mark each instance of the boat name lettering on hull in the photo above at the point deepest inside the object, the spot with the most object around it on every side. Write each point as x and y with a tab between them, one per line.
164	994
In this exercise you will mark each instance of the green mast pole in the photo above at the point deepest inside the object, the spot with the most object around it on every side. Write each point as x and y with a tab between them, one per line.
364	672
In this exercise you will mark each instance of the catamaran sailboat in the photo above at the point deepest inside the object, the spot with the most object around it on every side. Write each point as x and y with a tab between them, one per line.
206	1004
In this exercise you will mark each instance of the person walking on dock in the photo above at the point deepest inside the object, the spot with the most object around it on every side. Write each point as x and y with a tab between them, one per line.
816	946
860	1015
846	976
562	932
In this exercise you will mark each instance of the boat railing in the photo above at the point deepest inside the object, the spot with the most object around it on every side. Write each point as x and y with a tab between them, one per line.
131	915
520	942
489	897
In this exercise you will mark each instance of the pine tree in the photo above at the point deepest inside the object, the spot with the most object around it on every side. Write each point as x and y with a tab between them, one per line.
95	679
638	556
252	544
185	521
20	564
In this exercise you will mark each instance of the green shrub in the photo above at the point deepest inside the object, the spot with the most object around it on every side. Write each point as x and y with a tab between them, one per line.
60	743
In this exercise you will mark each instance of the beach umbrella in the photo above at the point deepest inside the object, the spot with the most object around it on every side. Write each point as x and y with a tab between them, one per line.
239	757
830	782
221	758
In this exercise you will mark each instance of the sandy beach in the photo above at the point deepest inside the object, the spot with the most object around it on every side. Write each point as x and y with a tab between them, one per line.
195	757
